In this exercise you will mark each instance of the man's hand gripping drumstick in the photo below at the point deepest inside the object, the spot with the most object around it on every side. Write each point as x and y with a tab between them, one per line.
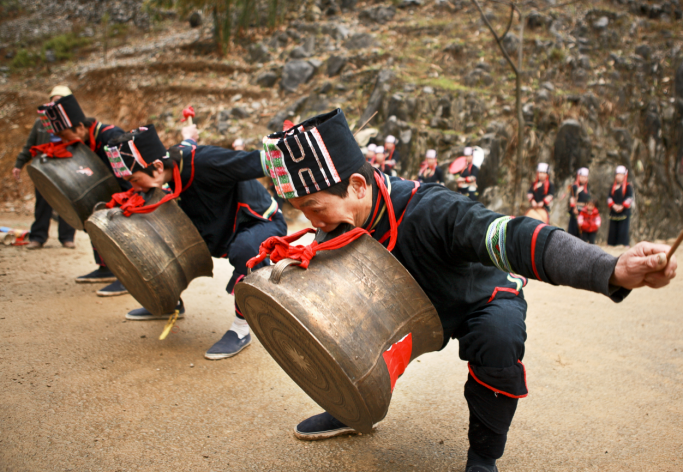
646	264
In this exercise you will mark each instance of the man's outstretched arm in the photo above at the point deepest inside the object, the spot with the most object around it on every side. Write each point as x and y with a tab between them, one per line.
568	261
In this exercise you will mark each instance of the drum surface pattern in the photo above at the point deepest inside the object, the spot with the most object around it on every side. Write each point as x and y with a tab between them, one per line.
304	359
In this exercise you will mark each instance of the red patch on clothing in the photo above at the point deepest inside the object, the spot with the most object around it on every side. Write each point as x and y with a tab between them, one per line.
397	358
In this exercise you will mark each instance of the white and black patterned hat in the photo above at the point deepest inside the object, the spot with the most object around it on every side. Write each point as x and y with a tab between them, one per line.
313	155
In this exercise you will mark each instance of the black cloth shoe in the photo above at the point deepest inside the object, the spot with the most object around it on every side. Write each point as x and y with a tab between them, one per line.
114	289
144	314
320	427
479	463
100	275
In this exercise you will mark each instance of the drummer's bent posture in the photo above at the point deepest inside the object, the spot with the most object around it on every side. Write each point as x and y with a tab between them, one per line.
541	192
471	262
232	211
67	120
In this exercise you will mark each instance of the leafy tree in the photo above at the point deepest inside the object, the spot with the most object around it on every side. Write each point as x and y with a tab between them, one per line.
230	17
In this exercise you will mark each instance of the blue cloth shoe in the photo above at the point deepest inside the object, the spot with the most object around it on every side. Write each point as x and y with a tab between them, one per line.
229	345
101	274
144	314
320	427
114	289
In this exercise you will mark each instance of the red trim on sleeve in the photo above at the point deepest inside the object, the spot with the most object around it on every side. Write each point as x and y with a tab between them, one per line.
498	390
246	206
627	203
502	289
533	249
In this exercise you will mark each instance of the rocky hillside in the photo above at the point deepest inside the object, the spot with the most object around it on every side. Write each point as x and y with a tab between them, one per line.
603	85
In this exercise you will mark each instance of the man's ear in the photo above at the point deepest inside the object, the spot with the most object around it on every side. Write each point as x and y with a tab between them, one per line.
358	185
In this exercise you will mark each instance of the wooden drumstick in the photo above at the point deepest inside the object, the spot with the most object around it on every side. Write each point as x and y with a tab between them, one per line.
674	247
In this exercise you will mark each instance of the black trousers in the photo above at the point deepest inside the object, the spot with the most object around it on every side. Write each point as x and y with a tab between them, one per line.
589	237
573	227
619	232
41	224
492	341
246	245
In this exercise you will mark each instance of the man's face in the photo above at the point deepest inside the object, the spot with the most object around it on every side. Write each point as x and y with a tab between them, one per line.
143	182
327	211
78	133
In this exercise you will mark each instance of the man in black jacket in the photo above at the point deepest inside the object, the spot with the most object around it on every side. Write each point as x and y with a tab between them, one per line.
43	211
471	262
232	211
66	119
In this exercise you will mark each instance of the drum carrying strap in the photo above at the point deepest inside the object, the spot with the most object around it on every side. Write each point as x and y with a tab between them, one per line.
279	248
53	150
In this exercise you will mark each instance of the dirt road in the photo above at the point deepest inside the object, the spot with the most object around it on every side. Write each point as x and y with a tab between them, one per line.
82	389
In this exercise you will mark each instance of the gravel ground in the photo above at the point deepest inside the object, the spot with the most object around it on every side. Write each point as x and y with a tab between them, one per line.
85	390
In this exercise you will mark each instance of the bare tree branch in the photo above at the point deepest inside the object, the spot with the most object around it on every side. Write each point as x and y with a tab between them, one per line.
512	16
497	38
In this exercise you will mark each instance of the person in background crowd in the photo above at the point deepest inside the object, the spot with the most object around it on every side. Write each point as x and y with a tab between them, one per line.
541	192
380	160
370	152
467	182
619	202
589	221
577	200
430	172
43	211
393	157
219	192
67	120
238	144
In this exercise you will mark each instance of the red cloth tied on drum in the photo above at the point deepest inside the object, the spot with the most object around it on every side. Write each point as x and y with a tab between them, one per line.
53	149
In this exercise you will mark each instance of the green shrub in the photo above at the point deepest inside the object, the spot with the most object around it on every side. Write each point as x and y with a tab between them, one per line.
24	59
65	44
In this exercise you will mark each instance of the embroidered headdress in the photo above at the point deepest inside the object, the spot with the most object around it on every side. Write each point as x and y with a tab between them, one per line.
61	114
143	148
312	156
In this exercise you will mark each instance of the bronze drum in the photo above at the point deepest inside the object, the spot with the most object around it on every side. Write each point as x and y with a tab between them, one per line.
154	255
72	186
341	326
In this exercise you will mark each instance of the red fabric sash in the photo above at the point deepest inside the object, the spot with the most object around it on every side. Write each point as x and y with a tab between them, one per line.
53	150
279	248
131	202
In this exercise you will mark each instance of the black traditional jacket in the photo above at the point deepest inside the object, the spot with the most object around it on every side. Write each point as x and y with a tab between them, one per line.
619	197
461	254
224	194
470	171
436	175
540	195
581	198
